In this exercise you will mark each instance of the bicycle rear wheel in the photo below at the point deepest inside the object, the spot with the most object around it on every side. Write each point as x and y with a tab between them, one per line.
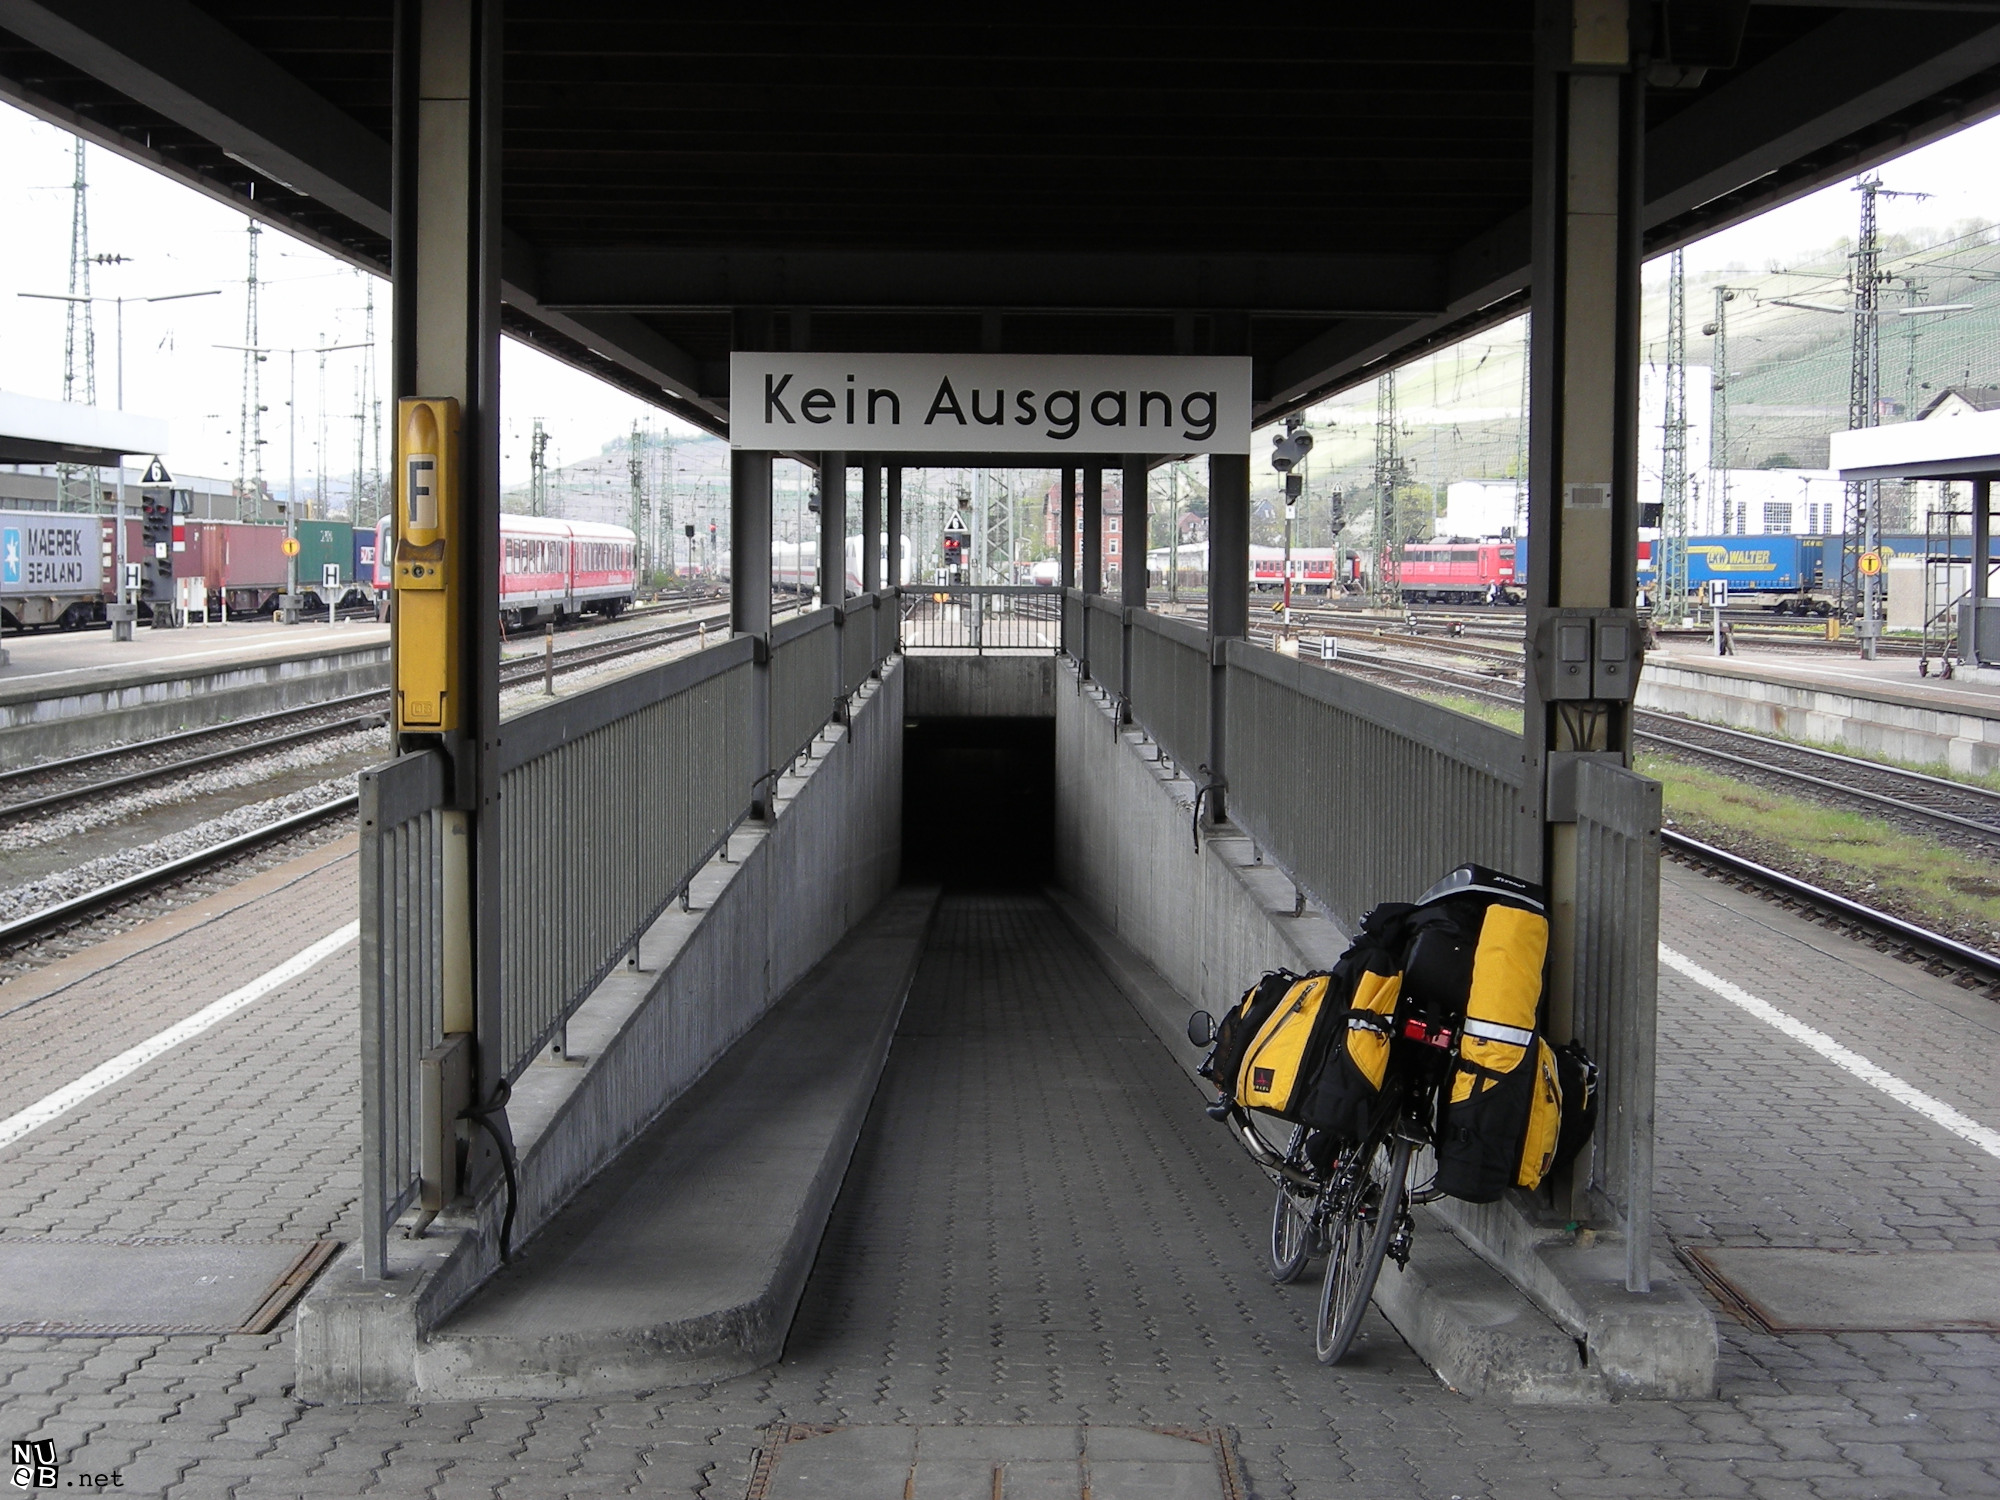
1364	1221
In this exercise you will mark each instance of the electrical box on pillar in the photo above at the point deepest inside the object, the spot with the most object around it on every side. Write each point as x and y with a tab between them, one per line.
430	539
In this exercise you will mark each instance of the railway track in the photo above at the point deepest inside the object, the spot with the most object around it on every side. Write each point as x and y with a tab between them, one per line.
1970	967
364	710
1967	811
81	910
1958	808
37	925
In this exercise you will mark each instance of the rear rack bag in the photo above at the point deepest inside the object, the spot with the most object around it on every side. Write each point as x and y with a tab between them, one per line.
1499	1120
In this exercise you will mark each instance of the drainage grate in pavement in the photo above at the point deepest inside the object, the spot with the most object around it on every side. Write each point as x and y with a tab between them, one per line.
1855	1291
1005	1463
106	1288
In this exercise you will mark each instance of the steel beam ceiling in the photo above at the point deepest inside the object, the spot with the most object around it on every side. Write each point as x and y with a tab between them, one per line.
956	187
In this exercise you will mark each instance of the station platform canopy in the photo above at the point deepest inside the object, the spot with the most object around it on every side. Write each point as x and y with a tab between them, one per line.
1961	447
1336	193
33	431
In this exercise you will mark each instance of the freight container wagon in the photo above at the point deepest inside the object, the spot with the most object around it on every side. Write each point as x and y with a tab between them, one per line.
362	574
52	568
1784	571
241	563
322	543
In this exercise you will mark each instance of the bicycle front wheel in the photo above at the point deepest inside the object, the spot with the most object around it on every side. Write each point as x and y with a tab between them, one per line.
1291	1233
1364	1222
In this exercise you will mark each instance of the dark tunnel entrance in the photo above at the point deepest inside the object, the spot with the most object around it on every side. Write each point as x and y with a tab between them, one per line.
979	799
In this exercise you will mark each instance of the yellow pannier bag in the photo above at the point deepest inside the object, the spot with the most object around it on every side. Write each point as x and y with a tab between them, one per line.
1500	1120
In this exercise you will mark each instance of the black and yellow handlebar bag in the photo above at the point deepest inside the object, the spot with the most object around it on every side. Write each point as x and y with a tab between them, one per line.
1236	1030
1280	1061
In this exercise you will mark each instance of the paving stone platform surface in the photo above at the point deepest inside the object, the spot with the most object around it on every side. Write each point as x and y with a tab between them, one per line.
1039	1230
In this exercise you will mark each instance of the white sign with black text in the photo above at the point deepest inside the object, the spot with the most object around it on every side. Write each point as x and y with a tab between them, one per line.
989	403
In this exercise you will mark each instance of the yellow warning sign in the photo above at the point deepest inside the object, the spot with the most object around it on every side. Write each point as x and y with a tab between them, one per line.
1871	563
291	546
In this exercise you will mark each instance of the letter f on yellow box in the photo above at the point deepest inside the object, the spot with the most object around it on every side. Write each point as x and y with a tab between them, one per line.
430	542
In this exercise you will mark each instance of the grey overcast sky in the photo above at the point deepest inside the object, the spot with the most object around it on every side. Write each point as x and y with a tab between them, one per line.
178	241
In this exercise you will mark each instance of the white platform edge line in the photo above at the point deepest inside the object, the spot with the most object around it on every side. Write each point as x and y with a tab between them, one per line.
101	1077
1934	1110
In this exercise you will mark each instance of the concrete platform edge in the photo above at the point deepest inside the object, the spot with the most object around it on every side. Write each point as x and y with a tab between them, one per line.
73	720
761	923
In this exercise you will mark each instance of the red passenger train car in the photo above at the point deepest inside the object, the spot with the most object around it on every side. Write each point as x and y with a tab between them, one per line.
549	569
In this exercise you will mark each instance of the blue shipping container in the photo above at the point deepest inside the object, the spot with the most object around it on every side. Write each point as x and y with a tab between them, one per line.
1755	564
362	574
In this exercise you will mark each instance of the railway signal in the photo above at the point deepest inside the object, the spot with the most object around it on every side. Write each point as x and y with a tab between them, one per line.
1288	451
957	542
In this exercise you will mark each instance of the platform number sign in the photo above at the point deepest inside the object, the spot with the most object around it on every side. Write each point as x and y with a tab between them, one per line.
1718	593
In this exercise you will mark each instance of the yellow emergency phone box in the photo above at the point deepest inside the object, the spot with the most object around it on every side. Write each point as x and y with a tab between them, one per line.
430	546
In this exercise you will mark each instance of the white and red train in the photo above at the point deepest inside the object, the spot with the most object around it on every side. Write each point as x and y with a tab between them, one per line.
549	569
795	565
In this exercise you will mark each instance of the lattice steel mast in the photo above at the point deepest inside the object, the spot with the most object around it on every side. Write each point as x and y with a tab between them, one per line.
1388	479
76	486
538	470
1670	608
250	424
1718	421
642	500
1864	388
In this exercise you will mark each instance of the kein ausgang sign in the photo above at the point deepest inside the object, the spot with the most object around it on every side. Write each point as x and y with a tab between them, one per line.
989	403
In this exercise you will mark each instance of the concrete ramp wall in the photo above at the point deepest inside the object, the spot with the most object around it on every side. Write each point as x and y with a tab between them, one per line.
789	891
1208	919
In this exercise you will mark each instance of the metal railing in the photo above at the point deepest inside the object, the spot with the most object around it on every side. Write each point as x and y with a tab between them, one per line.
609	804
959	617
804	687
1169	690
1104	640
1073	623
1617	987
857	640
1360	793
403	827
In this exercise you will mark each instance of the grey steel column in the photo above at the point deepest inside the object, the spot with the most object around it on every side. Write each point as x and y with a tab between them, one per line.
1982	535
1066	549
832	528
1135	525
1228	603
1583	452
1066	553
1982	548
445	225
750	603
1093	530
871	528
892	570
1093	551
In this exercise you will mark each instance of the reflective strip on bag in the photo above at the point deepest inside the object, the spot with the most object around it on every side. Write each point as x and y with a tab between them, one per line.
1493	1031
